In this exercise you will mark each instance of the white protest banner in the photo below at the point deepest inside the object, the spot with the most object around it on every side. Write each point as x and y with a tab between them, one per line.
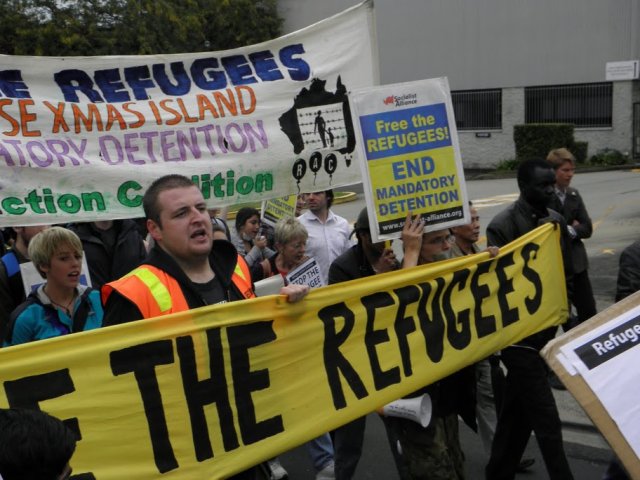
81	138
308	273
410	156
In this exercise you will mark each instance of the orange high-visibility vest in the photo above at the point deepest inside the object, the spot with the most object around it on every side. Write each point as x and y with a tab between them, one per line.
241	278
156	293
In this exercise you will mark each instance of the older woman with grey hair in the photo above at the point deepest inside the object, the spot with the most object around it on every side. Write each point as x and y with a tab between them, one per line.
290	238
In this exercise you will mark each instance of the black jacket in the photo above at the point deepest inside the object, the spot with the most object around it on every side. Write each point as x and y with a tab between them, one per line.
350	265
108	264
516	220
223	260
629	271
574	209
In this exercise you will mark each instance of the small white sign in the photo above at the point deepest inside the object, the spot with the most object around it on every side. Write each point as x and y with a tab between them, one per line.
269	286
307	274
629	70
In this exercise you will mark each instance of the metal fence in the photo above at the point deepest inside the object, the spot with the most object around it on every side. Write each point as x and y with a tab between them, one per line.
636	130
584	105
478	109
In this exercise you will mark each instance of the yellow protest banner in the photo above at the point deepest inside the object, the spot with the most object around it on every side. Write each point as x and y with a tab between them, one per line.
207	393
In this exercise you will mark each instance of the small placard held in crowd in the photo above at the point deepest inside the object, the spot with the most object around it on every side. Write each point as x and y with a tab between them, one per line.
307	273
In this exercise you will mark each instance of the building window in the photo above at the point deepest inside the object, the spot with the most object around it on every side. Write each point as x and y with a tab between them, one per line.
478	109
585	105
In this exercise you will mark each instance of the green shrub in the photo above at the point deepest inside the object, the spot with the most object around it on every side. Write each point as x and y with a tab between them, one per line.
537	139
580	150
609	156
507	165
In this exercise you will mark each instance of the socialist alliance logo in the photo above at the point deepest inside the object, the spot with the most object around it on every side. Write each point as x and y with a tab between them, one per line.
402	100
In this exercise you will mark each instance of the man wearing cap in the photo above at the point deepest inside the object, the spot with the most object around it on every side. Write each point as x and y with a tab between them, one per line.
361	260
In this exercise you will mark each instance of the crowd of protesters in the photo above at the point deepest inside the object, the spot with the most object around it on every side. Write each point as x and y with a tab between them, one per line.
190	251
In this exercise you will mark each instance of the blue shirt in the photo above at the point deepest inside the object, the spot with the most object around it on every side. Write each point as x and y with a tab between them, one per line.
37	320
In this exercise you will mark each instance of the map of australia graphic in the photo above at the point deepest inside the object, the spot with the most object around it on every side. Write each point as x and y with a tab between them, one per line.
320	120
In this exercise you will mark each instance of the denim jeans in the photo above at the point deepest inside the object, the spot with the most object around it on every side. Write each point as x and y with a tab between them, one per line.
320	451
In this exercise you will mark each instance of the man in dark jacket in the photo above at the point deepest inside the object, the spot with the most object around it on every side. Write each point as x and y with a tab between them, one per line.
361	260
112	248
434	451
569	203
528	401
185	269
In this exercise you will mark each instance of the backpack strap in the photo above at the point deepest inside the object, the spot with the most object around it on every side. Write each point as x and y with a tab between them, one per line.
30	300
11	264
81	314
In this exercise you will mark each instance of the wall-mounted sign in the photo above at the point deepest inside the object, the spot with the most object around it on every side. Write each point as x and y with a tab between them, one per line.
629	70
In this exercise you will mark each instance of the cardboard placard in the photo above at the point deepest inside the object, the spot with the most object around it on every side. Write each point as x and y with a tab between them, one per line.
597	362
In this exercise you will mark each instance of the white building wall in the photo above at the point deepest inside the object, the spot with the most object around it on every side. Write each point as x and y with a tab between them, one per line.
491	43
619	135
508	44
479	152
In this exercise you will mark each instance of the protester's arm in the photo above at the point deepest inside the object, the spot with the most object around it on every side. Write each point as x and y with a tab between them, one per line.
412	240
582	223
387	262
294	292
253	256
495	236
493	251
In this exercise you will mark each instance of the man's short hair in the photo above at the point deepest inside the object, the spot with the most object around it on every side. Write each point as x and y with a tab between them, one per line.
219	228
527	167
167	182
329	194
33	445
44	245
558	156
287	229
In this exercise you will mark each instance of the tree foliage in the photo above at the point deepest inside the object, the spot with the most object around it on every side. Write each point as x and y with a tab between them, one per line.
131	27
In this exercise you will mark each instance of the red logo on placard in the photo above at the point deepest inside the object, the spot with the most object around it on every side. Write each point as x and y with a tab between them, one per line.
389	100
